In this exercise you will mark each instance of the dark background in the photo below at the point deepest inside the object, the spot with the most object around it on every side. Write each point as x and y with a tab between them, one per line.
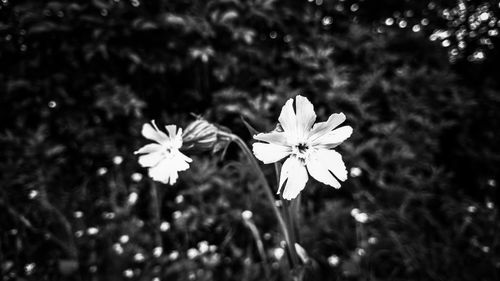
418	81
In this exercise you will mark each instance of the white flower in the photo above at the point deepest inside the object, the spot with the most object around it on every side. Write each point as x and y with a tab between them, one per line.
192	253
278	253
308	147
157	251
361	217
163	158
246	215
333	260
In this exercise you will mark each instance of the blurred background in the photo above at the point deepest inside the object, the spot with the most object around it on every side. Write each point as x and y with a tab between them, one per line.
418	81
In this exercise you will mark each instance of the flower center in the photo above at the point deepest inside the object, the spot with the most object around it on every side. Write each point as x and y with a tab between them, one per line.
302	147
301	151
168	151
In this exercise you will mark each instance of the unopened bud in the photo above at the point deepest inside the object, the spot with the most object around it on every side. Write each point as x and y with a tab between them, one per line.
200	135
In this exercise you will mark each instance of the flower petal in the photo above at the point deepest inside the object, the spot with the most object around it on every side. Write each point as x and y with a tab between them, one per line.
333	138
167	170
296	178
163	172
172	130
285	169
288	120
321	128
273	137
305	117
332	160
270	153
151	159
320	172
153	133
181	157
148	148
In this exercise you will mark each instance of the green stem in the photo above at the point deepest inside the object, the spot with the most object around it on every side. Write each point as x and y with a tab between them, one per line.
156	212
290	216
260	246
295	211
291	229
267	190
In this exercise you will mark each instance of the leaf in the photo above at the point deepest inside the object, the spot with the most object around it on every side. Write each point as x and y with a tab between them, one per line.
229	16
102	4
42	27
143	24
172	19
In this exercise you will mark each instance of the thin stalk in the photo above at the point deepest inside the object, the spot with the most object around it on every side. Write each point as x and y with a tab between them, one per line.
295	213
155	209
290	226
289	215
260	246
265	184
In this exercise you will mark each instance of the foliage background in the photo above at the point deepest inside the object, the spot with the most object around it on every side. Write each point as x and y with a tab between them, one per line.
79	78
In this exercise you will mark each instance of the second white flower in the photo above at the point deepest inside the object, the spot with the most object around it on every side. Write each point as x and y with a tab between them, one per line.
307	147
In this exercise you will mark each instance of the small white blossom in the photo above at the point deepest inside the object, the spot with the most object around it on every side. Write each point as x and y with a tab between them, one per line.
29	268
102	171
203	247
333	260
136	177
492	182
179	199
164	226
33	194
361	252
307	147
192	253
355	172
124	239
92	230
267	236
139	257
157	251
117	160
278	253
118	248
361	217
490	205
177	215
471	209
132	198
173	255
246	215
163	158
109	215
129	273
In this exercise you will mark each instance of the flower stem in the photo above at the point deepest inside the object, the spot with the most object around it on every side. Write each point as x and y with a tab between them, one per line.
156	212
260	246
267	191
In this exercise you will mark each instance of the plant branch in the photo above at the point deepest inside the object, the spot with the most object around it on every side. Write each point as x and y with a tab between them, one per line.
262	179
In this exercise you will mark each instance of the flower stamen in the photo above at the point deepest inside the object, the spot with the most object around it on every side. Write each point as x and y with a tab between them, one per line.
301	151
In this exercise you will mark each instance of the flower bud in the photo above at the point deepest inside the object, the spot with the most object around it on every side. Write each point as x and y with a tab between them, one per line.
200	135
